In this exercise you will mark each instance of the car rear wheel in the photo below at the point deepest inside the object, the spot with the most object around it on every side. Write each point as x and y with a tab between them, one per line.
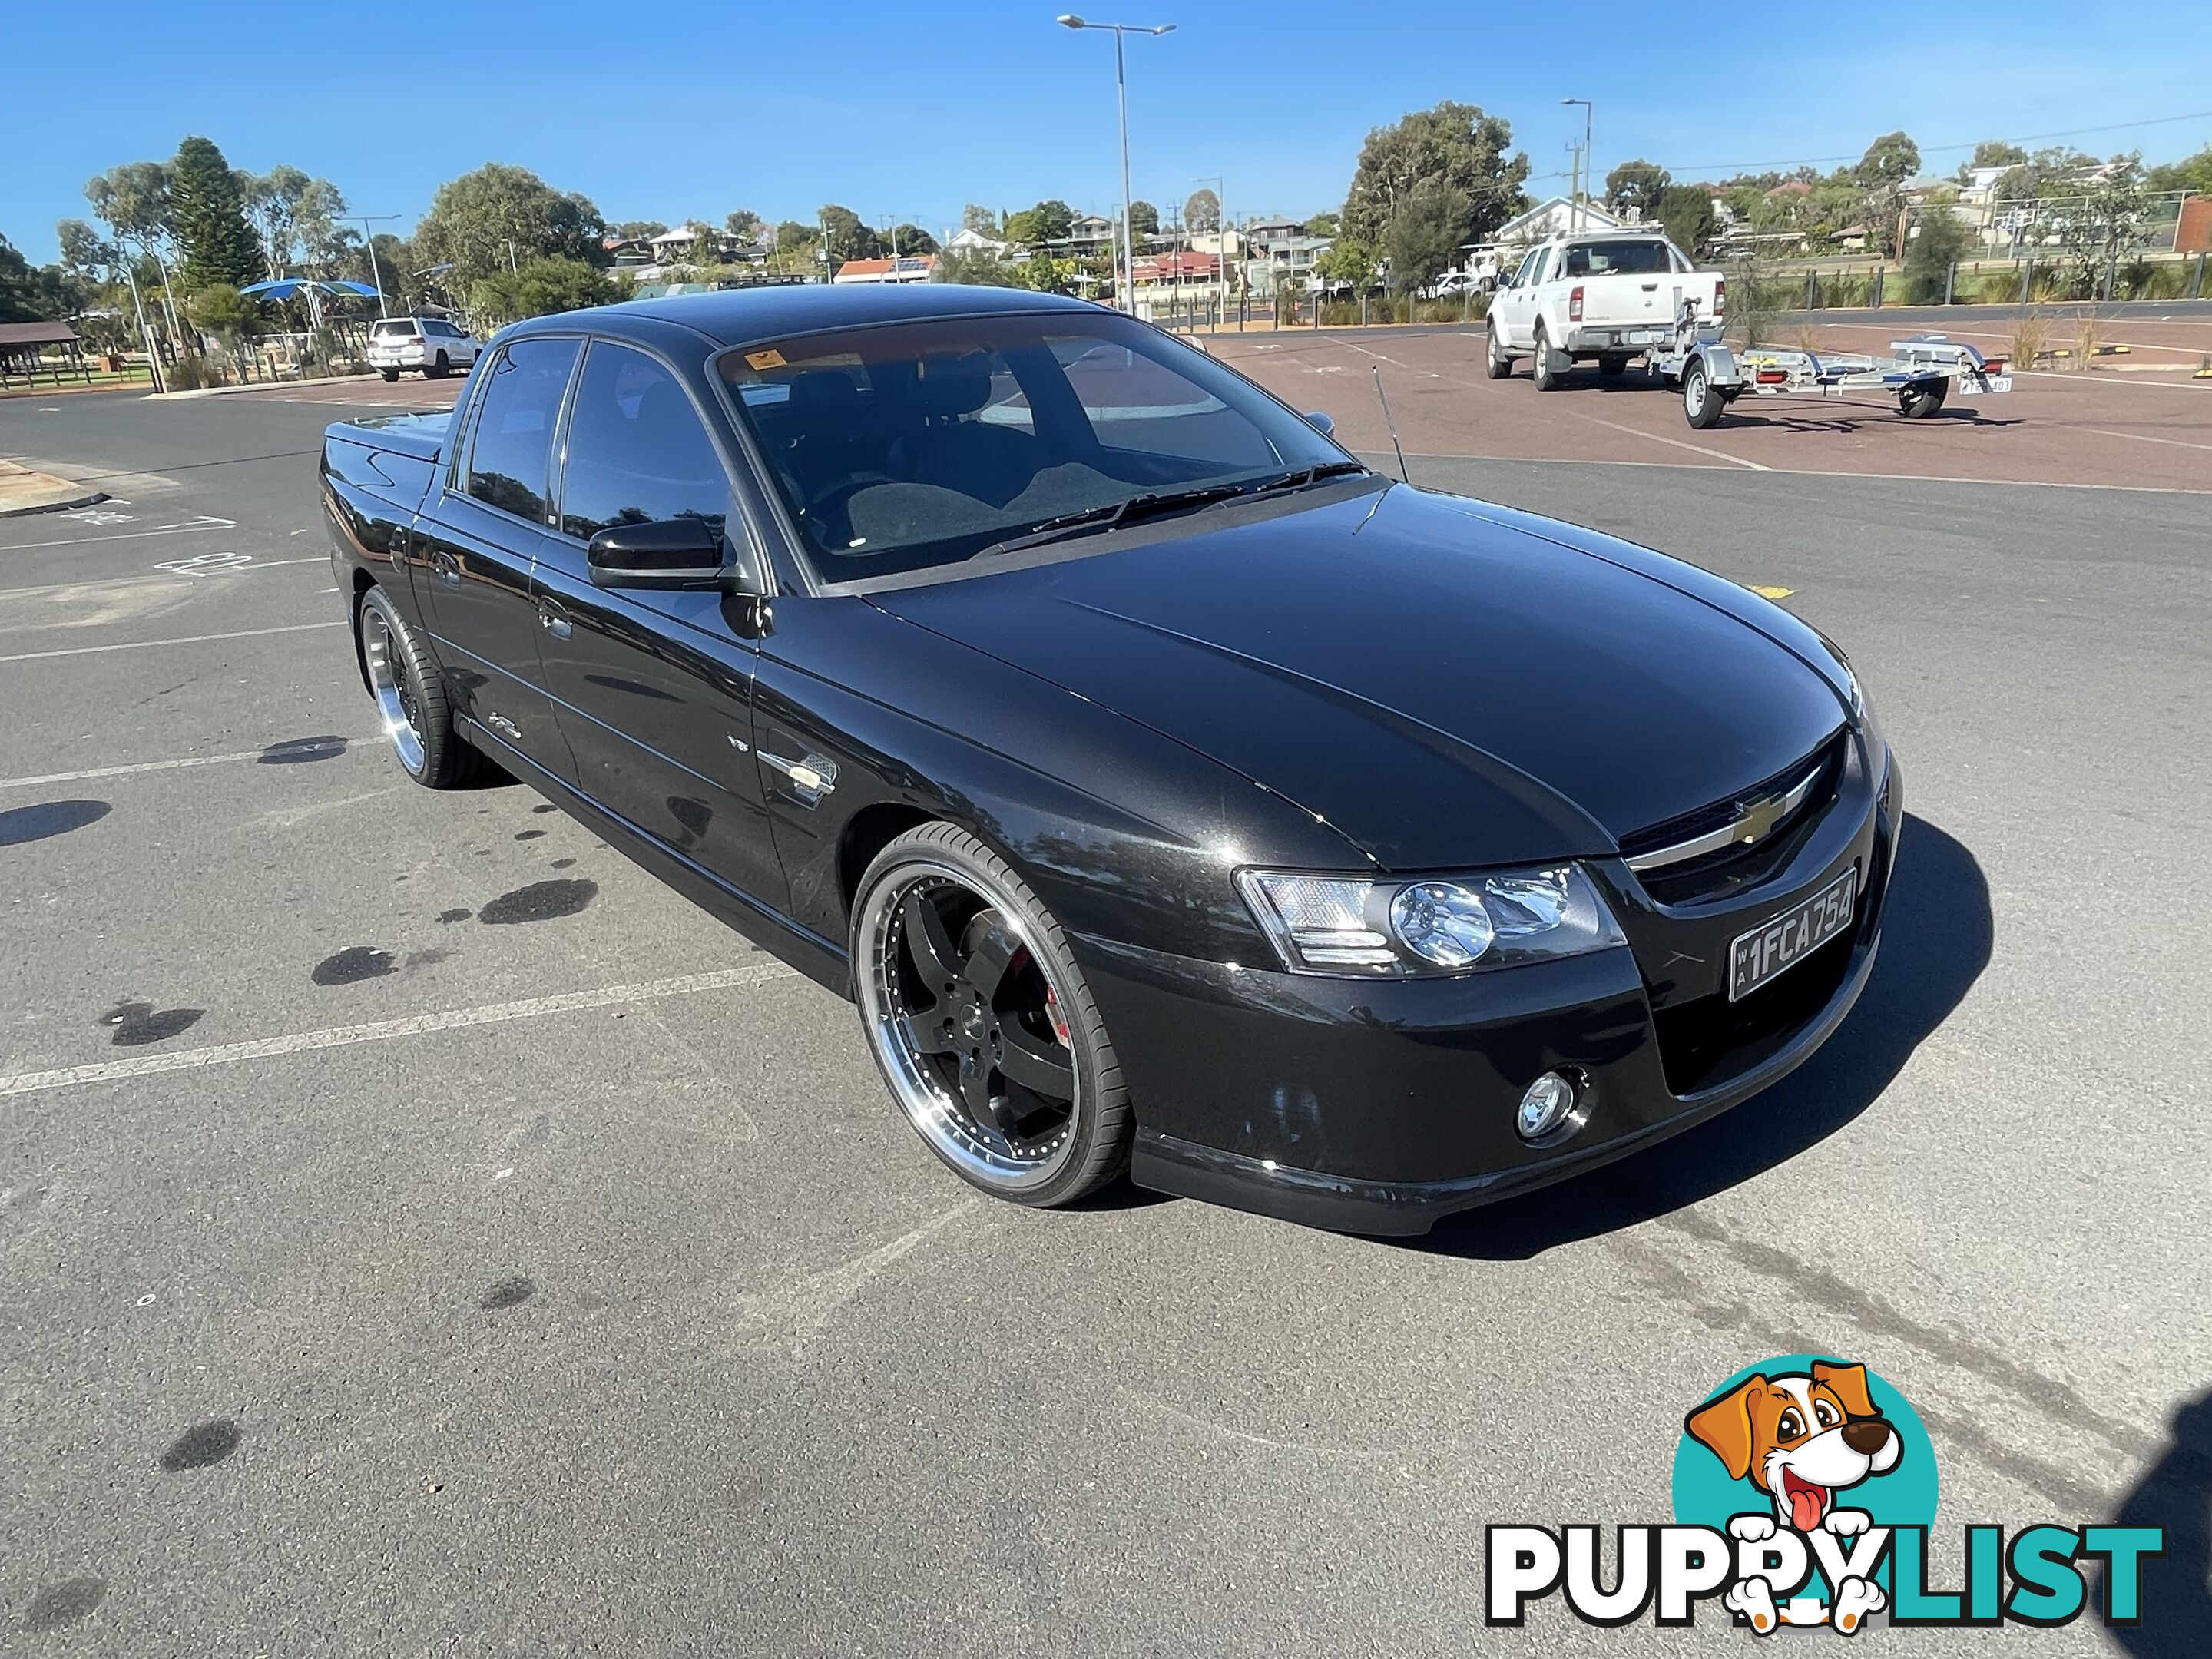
1500	363
1701	404
389	373
981	1024
410	697
1544	371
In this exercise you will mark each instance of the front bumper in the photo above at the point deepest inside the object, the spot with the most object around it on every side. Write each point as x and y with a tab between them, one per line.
1378	1106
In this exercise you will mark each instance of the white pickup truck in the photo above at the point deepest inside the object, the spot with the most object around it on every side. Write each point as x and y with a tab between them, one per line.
1603	295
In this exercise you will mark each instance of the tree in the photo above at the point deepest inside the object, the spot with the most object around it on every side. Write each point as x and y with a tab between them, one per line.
1348	262
910	239
271	200
1990	153
744	224
2109	223
1321	224
1044	273
638	230
1939	242
207	212
1686	211
1048	221
221	309
474	218
1144	220
2192	173
850	236
1454	147
980	219
1201	211
978	267
1424	238
1888	162
1637	184
35	294
544	286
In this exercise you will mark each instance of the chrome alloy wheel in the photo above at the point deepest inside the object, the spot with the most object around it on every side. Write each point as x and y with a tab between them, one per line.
388	684
968	1027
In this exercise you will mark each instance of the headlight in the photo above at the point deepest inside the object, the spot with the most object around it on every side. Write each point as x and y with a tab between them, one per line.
1360	928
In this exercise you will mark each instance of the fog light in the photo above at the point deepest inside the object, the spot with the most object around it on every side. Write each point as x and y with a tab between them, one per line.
1546	1105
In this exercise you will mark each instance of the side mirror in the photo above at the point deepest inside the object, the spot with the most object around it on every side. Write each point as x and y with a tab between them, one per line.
1321	423
667	553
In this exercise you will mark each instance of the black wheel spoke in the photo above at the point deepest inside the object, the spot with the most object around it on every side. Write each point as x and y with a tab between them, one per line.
927	1035
928	943
994	953
1037	1064
976	1093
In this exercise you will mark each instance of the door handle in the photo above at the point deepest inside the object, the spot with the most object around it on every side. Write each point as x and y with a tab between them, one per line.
554	620
448	568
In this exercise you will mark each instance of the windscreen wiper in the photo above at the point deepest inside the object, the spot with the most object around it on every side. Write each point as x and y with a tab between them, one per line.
1092	518
1304	476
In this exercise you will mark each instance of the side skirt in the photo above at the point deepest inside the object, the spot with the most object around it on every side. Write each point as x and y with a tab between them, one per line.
822	960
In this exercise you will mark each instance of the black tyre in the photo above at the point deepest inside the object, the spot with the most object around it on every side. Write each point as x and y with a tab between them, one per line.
389	373
1701	404
438	370
981	1024
410	696
1919	402
1613	367
1541	369
1498	364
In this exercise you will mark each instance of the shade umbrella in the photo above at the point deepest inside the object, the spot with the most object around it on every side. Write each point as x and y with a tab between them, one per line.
283	288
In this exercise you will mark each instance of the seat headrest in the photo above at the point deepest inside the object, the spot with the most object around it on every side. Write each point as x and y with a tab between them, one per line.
823	392
953	385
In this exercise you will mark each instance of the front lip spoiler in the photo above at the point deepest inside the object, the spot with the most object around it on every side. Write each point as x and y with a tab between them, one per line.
1404	1209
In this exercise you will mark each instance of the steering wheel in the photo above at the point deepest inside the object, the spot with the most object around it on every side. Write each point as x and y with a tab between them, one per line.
836	494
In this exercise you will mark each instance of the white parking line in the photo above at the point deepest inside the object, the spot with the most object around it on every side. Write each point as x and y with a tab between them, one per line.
2142	438
340	1037
283	751
1695	449
186	529
188	639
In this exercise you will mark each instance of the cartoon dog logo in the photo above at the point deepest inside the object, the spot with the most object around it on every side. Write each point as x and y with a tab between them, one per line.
1800	1437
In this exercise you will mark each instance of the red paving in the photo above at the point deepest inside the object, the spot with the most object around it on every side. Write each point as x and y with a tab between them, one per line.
365	390
2104	427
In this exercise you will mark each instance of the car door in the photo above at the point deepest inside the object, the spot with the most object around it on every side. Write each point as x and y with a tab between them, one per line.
475	547
652	687
1510	304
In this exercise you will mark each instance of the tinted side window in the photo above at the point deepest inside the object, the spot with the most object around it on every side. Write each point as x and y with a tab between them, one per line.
511	457
637	451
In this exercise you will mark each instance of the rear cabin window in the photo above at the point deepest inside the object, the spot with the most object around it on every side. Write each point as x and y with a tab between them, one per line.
1617	258
395	328
510	458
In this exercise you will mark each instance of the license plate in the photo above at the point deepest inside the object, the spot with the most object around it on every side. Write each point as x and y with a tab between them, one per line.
1646	337
1969	388
1757	956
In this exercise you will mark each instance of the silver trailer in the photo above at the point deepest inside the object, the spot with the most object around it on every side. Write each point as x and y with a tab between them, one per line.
1921	372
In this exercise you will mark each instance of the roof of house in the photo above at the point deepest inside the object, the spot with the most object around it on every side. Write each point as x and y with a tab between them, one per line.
861	270
1593	217
36	334
1179	263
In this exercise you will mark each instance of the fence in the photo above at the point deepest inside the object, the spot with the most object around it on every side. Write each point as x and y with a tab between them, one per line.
1998	281
1283	310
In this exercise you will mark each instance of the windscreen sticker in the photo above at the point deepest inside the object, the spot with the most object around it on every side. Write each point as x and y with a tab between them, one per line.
770	359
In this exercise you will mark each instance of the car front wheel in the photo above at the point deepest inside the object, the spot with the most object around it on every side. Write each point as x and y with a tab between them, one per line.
1500	363
981	1024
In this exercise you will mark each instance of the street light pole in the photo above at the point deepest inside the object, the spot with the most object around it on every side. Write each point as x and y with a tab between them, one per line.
369	242
1123	274
1588	161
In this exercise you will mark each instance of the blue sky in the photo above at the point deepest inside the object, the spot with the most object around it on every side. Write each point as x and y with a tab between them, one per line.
677	108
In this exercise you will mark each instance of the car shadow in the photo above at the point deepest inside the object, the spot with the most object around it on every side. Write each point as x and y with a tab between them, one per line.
2175	1493
1936	942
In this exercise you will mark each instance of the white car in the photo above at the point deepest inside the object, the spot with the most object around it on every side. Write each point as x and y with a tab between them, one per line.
1601	296
429	343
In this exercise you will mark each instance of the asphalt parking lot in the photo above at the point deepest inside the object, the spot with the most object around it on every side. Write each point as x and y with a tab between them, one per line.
423	1232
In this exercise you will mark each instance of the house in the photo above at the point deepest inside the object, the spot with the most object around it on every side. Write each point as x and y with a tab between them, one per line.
971	241
1178	266
1553	217
910	268
1090	234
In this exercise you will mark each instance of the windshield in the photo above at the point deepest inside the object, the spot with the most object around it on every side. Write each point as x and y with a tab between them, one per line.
1605	258
913	444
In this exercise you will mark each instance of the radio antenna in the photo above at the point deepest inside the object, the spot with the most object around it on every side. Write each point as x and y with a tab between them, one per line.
1392	424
